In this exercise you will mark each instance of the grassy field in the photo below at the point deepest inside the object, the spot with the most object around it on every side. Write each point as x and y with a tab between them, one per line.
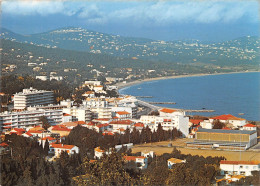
162	147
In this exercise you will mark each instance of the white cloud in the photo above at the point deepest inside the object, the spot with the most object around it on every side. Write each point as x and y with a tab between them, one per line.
159	13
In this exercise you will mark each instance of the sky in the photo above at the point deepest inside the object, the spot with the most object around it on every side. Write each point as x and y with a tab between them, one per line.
210	20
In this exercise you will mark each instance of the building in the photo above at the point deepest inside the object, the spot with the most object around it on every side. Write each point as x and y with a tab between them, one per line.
101	112
169	119
121	124
141	161
31	97
239	167
30	118
224	139
249	127
56	149
81	113
229	119
123	115
173	161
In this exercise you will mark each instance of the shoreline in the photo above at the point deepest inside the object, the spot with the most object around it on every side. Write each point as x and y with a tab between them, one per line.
122	85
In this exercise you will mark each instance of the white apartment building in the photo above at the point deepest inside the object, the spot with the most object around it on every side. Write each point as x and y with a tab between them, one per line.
169	119
101	112
24	119
239	167
95	102
82	113
31	97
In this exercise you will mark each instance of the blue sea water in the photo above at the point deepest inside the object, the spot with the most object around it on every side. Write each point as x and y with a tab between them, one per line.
226	94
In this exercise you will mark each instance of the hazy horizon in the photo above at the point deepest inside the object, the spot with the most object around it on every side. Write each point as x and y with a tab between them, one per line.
158	20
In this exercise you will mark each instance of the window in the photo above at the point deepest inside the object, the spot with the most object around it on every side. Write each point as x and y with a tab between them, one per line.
241	166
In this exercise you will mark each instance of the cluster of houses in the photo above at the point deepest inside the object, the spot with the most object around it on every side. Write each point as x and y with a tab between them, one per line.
115	115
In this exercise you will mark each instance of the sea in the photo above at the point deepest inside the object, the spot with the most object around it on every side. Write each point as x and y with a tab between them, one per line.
237	94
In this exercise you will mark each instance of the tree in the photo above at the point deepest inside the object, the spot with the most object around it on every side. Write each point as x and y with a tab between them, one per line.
109	170
218	124
45	122
46	147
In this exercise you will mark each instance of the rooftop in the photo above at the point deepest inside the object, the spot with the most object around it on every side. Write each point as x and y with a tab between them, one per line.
240	162
166	110
227	117
226	131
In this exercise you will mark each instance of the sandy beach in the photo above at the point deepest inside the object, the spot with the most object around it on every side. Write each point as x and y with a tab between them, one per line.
127	84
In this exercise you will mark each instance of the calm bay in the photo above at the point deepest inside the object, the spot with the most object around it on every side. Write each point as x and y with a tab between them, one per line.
237	94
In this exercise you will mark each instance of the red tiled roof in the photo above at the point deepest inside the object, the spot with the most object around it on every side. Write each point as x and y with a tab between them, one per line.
226	128
65	114
60	128
123	113
102	119
48	138
3	144
80	122
35	131
249	125
108	133
166	110
62	146
92	161
133	158
98	149
227	117
29	134
89	92
240	162
196	121
19	130
121	122
102	125
139	125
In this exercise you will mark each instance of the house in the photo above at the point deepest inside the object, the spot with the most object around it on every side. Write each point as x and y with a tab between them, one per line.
194	122
89	94
121	124
56	149
122	115
18	131
173	161
62	130
168	119
249	126
98	152
239	167
228	118
165	112
50	140
206	124
141	161
147	153
101	127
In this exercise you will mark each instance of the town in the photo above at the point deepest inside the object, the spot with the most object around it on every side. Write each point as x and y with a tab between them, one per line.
119	123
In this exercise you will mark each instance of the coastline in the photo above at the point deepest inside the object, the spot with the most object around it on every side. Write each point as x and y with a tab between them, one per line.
122	85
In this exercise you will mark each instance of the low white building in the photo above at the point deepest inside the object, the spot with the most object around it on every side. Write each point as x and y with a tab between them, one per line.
173	161
123	115
239	167
206	124
147	154
121	124
169	119
229	119
56	149
141	161
249	127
